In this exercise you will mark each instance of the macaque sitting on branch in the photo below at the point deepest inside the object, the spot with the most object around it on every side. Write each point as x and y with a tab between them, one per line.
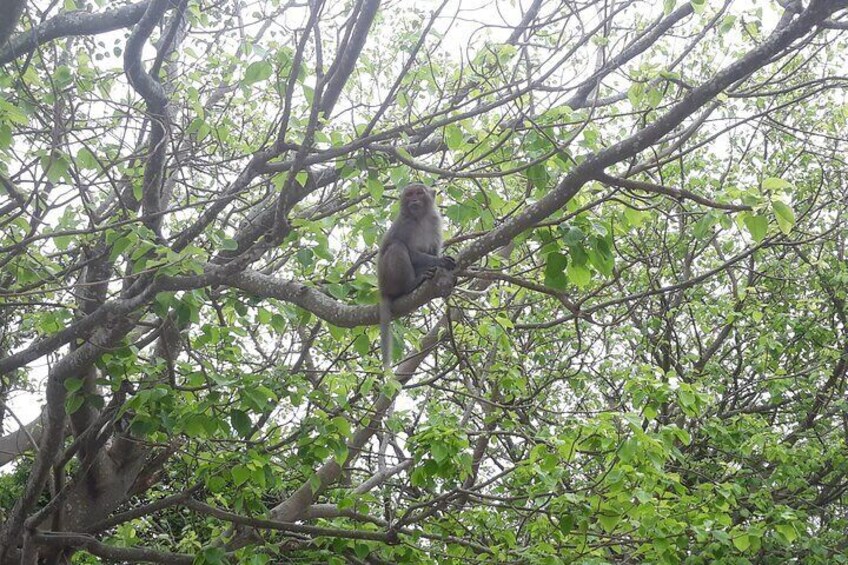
410	253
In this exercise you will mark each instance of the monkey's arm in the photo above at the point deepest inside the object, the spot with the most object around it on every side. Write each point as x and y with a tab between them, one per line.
424	261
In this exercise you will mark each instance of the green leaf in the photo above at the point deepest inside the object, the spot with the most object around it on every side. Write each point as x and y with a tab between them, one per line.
241	422
573	236
258	476
55	168
742	542
601	257
375	188
5	136
361	550
308	93
653	97
63	241
774	183
74	403
279	180
627	450
634	217
229	244
687	398
668	6
757	226
240	474
194	426
784	215
63	77
555	266
453	137
703	227
340	453
682	435
579	275
787	531
727	24
635	94
440	452
86	159
279	323
257	71
73	385
305	257
341	425
650	412
608	523
362	344
538	175
212	556
120	246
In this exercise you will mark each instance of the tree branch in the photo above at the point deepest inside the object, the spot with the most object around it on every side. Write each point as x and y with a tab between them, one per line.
71	24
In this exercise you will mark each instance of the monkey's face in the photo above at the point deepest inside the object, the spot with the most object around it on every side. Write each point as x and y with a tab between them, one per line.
417	199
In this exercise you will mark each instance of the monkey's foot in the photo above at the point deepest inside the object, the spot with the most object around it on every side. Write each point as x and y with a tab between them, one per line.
444	282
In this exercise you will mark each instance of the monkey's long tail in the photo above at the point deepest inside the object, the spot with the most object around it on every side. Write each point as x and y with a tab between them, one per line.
386	332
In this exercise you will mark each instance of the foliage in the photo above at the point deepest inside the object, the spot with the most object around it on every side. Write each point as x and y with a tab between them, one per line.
642	356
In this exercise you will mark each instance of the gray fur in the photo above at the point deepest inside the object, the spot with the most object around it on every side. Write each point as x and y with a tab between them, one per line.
409	254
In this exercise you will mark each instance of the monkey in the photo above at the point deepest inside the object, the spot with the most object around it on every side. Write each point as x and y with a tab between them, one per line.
410	253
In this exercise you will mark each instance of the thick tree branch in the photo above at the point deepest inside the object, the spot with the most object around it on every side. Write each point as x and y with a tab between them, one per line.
154	97
13	445
347	56
111	552
70	24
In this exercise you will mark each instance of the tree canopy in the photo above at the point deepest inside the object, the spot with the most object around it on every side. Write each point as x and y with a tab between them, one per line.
641	356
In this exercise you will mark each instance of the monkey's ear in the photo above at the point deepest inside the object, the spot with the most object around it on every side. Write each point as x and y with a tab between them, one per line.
432	191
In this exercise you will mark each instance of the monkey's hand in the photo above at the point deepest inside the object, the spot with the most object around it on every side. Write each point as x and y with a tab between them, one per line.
448	262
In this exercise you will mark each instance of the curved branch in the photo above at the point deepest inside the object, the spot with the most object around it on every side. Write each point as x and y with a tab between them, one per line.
678	193
140	80
76	330
14	444
208	510
70	24
115	553
156	100
348	54
327	308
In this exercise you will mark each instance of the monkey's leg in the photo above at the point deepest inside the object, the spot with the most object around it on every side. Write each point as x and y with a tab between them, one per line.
395	271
